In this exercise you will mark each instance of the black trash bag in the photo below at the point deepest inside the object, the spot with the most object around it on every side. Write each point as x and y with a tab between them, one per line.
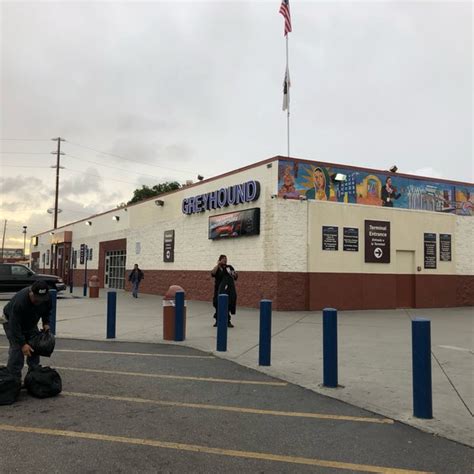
43	382
43	343
10	386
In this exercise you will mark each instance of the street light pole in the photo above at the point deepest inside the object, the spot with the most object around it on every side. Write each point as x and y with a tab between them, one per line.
24	241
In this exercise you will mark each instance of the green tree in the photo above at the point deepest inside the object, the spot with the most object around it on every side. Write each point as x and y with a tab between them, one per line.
147	192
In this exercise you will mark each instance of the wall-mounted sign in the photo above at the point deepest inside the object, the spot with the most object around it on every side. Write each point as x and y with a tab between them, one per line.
168	246
138	248
377	242
74	258
47	257
43	257
34	241
351	239
90	254
82	251
238	194
330	238
445	247
235	224
430	250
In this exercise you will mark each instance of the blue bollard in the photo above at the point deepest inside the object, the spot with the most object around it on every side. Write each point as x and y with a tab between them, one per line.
111	313
330	347
421	360
179	316
53	296
265	340
222	319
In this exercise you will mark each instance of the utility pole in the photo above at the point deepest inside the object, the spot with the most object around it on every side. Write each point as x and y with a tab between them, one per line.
3	240
58	155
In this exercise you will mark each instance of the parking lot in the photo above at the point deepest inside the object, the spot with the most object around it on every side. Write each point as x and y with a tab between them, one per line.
135	407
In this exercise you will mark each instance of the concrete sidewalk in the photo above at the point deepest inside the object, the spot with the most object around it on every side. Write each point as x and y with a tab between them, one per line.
374	351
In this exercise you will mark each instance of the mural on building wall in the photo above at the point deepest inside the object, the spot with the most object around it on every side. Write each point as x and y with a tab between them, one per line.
311	181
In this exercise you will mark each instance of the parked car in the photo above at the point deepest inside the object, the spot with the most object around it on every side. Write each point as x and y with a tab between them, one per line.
14	277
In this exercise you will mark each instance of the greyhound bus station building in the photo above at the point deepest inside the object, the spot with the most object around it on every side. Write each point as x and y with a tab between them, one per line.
304	234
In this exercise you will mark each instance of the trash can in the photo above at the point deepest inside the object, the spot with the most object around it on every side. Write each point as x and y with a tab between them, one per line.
169	328
94	286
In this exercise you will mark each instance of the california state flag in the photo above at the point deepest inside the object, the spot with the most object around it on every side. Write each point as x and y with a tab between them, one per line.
286	90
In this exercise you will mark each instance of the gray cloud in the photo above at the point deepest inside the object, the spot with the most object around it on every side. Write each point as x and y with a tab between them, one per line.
17	184
199	87
80	185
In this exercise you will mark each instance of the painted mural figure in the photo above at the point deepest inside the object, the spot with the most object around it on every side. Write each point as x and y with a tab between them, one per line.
321	181
389	193
288	186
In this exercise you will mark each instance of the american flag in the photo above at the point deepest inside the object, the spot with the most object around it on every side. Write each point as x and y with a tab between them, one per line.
285	11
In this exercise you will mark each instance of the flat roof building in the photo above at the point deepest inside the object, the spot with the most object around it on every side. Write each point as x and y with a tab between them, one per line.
304	234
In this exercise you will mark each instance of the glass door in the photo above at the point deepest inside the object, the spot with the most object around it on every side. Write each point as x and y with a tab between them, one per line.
115	261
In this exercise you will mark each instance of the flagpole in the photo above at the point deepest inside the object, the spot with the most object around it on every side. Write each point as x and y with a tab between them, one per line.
288	108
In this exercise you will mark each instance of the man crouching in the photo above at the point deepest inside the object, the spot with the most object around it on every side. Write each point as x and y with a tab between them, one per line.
20	322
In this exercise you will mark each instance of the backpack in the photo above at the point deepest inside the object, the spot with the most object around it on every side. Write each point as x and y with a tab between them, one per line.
43	343
43	382
9	387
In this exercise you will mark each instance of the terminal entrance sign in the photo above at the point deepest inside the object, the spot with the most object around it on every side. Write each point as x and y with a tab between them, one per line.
377	242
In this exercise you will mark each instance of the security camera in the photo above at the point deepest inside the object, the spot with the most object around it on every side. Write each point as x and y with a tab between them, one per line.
159	202
393	169
200	177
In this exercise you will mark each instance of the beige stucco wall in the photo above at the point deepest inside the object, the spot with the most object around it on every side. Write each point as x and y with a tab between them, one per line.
407	229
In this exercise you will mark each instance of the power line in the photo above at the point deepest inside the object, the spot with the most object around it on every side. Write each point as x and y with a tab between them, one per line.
113	167
99	176
129	159
24	139
23	166
23	153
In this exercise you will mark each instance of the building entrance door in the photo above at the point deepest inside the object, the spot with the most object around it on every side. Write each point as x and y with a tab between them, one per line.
405	279
115	269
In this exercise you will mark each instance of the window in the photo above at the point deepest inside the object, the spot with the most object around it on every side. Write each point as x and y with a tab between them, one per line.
5	270
19	270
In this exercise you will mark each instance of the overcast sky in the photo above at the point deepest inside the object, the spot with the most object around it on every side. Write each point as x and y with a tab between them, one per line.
181	88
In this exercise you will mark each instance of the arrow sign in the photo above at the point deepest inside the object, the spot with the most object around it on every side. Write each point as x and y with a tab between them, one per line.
378	252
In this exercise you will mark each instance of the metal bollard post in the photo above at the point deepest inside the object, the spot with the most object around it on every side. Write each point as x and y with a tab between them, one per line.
222	319
265	340
84	291
421	361
71	287
111	313
330	347
53	296
179	316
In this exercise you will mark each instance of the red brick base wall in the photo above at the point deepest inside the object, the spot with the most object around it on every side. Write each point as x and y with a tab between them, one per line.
312	291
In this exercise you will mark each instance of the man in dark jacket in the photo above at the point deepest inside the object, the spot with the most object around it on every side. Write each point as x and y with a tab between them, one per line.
135	277
225	277
20	322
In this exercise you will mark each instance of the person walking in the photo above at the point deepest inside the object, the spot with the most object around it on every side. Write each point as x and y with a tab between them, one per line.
20	323
225	277
135	277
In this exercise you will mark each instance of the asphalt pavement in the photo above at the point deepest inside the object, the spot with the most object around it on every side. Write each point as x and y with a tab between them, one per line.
139	407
